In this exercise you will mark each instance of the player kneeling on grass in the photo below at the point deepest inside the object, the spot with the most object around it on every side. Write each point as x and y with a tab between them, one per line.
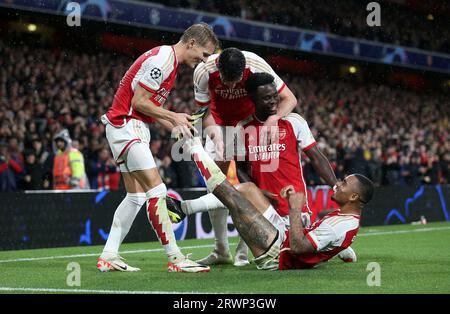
274	244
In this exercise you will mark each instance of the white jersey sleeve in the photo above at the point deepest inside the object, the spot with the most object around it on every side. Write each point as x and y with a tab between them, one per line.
302	132
332	232
155	70
259	65
201	80
322	237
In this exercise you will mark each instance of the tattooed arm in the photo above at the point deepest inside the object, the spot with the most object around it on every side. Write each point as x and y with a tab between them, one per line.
298	242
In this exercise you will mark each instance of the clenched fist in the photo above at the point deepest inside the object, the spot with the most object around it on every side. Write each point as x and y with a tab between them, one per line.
295	199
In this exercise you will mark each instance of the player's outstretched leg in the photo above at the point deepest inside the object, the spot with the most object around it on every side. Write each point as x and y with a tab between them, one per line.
208	169
207	203
159	218
257	231
212	176
210	202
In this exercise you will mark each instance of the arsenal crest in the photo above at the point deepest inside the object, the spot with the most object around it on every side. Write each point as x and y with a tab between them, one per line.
281	134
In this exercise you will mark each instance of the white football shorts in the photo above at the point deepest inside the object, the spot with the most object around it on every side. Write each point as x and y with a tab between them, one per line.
130	145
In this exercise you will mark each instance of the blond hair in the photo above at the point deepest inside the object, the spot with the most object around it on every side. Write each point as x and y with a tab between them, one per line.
202	33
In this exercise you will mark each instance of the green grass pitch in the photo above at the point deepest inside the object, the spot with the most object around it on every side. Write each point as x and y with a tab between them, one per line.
412	259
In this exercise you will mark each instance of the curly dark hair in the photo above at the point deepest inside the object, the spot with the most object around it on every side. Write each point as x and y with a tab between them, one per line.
258	79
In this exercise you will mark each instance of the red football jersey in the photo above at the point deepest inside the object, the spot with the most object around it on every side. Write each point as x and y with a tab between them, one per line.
156	71
228	105
277	165
329	236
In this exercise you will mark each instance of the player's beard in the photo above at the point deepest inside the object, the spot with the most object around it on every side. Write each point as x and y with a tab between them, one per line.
336	199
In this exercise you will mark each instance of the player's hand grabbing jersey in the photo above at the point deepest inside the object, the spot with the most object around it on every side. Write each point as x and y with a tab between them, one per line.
228	105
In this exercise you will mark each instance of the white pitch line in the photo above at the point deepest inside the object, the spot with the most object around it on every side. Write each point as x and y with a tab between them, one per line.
403	231
28	259
54	290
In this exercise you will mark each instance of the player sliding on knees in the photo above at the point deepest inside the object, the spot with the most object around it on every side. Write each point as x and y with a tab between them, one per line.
275	244
137	103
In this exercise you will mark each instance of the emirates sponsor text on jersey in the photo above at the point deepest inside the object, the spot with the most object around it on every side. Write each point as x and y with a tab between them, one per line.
266	152
231	93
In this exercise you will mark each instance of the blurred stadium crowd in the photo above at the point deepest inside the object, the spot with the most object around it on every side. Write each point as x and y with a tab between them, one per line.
395	137
400	25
